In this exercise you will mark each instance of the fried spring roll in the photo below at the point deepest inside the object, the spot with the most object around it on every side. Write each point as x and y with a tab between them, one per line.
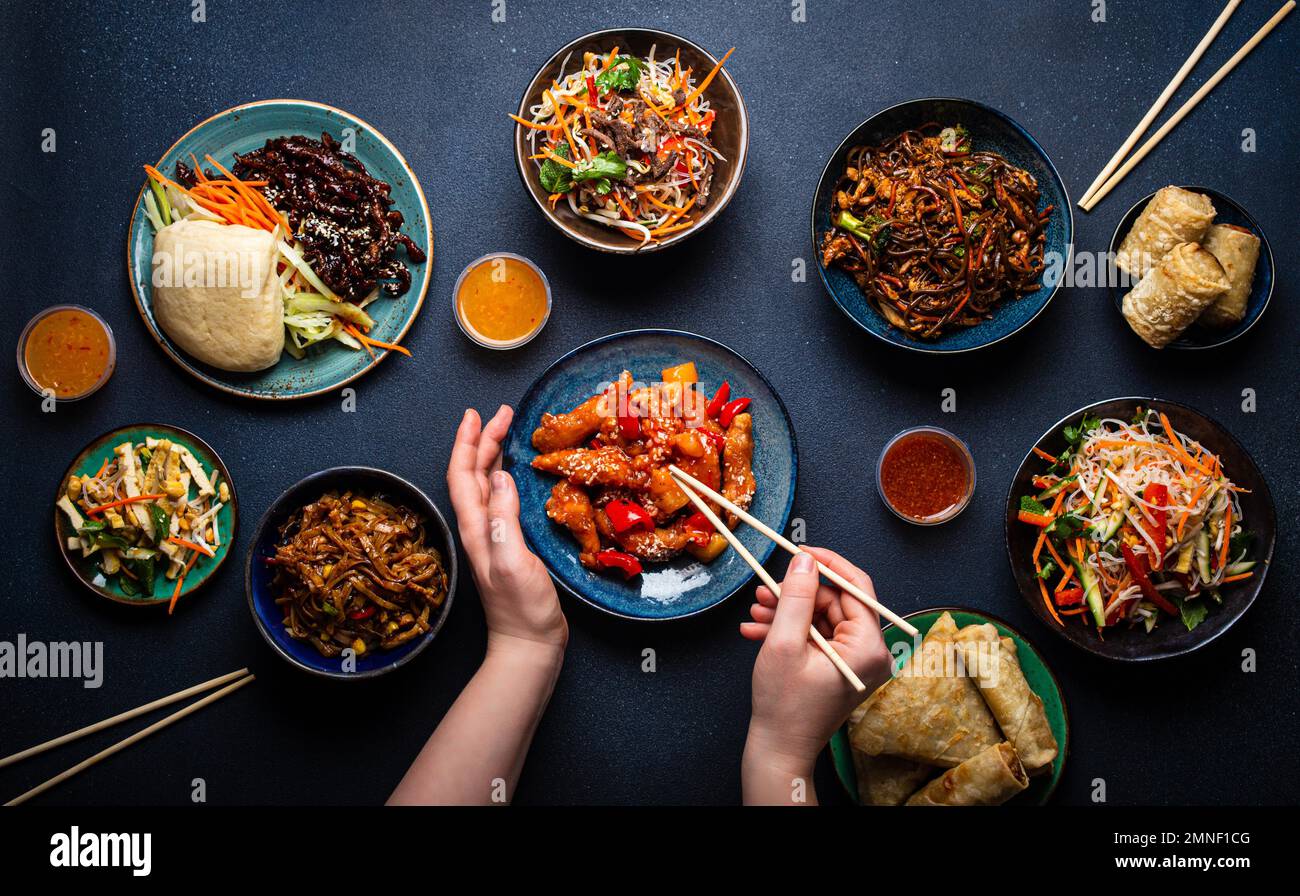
989	778
1237	250
1173	216
1018	710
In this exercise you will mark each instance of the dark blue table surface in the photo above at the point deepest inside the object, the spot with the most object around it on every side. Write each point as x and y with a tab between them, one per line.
119	83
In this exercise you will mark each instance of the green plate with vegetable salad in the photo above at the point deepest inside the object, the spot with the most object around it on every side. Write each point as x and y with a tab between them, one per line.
145	514
1037	674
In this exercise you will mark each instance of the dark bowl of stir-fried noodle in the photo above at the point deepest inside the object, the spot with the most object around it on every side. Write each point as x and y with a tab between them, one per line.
351	573
940	225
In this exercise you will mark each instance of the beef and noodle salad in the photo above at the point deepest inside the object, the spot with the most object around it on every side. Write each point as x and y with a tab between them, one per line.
624	141
615	493
1138	523
934	231
151	510
352	571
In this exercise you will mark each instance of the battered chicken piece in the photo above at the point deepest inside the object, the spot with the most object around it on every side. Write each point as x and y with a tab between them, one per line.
559	431
657	546
571	507
594	466
737	465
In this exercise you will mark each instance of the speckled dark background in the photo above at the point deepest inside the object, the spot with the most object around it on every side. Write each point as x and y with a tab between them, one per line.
119	83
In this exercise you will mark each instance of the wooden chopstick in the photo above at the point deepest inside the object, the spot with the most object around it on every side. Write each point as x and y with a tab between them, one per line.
1162	99
1187	107
793	548
121	717
762	573
134	738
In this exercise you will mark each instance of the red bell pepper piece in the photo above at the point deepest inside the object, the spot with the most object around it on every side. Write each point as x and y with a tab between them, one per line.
591	89
1140	576
627	516
719	399
702	530
1116	611
619	560
1157	493
730	410
1069	597
628	426
717	438
364	613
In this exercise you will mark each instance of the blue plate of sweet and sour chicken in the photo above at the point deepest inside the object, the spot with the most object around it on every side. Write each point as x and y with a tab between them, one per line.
590	451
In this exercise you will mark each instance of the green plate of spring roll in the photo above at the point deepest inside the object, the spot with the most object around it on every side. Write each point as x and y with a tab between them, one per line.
974	717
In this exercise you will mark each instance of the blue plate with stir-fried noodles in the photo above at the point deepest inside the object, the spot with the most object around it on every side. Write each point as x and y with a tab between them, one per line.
984	301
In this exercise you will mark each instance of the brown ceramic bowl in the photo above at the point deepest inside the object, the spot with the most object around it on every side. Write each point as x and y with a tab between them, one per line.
730	132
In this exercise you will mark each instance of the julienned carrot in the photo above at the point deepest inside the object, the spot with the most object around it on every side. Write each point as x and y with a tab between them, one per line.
180	583
366	340
193	546
708	78
534	125
564	125
1043	454
111	504
1238	577
1047	602
1176	446
623	205
255	198
1042	536
661	231
1057	557
1196	496
561	159
1065	579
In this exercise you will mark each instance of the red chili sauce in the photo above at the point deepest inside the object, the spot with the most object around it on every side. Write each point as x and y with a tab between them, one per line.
924	475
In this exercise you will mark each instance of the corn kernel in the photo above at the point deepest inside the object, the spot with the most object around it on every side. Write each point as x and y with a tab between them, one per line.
223	492
358	504
359	646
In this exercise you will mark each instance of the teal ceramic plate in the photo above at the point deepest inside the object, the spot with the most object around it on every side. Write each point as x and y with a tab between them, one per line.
240	130
89	461
1039	676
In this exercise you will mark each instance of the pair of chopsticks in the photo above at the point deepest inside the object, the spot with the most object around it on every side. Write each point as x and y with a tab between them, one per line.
1106	180
693	488
233	681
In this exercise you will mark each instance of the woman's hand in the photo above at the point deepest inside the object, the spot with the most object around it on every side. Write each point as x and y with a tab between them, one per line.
800	698
519	599
476	754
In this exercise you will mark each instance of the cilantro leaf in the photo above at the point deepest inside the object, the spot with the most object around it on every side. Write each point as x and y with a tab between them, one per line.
1048	570
622	74
1067	525
1076	434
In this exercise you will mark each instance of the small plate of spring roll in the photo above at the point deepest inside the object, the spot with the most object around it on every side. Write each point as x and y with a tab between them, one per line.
972	717
1192	269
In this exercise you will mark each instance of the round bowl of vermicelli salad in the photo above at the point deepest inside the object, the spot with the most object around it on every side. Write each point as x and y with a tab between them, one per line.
1139	529
631	139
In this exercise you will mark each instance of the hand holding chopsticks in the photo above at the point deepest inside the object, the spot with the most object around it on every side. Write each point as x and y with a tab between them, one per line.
690	483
